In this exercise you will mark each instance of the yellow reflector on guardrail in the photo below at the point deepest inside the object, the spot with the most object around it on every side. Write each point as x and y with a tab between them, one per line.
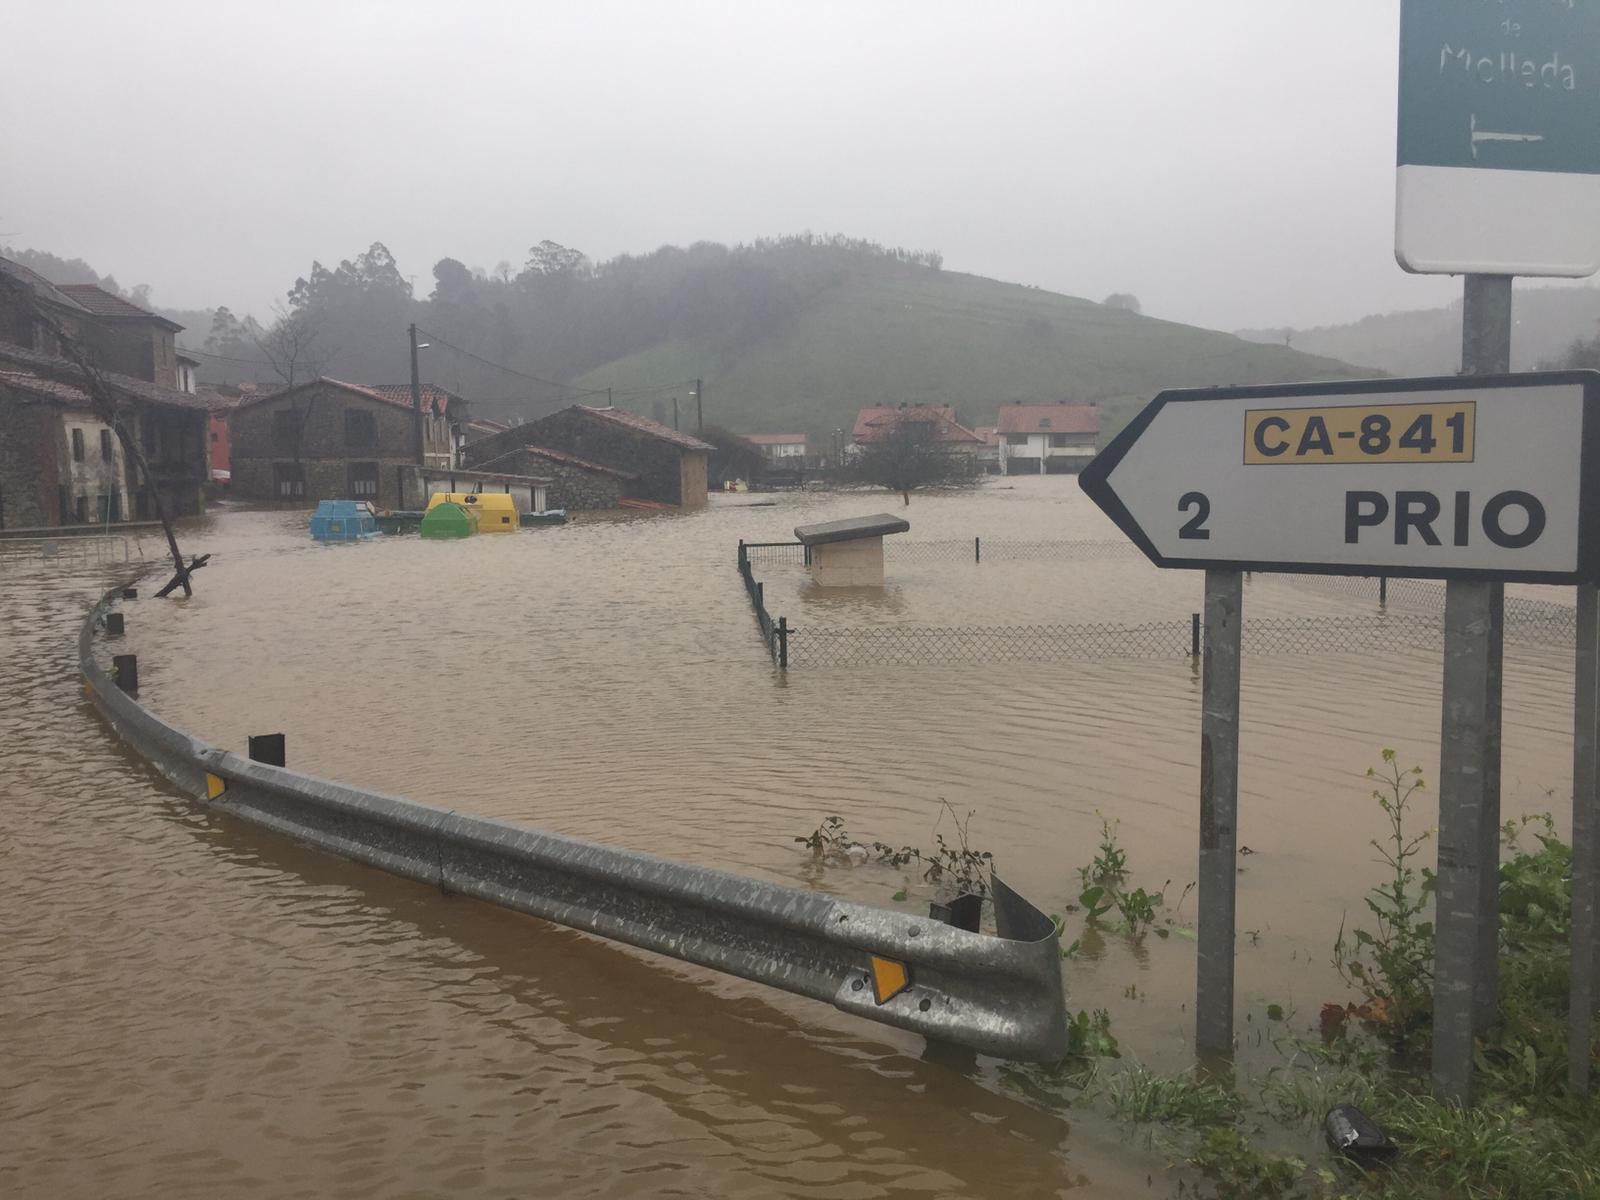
215	786
889	979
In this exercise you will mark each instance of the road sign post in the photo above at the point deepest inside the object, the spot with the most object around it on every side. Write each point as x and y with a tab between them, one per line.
1219	809
1582	999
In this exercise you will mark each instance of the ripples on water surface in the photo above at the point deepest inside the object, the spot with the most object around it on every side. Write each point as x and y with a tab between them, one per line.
191	1007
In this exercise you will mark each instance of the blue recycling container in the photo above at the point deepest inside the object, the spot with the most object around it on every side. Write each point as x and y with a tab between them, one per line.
343	521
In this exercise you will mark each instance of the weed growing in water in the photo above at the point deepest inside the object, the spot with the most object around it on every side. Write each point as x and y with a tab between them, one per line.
1104	882
1138	1094
1392	966
964	869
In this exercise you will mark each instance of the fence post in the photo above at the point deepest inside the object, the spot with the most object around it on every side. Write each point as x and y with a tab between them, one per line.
1194	635
783	643
744	555
1383	590
977	550
761	596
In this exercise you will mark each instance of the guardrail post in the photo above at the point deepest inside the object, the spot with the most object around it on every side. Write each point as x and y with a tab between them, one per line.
268	748
977	550
1194	635
783	643
125	670
114	624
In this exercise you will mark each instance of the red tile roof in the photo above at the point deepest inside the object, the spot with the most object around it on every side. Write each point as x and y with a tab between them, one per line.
644	425
433	399
1049	418
775	439
103	304
988	434
40	388
436	399
873	423
126	387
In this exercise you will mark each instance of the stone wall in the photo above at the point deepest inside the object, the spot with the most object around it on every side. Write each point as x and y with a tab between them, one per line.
28	465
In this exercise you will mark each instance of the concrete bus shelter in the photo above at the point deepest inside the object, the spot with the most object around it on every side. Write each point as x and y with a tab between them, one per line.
849	553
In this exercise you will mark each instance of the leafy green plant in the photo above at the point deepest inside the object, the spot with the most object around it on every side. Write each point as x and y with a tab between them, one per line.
1104	889
1241	1172
1089	1035
1392	965
957	865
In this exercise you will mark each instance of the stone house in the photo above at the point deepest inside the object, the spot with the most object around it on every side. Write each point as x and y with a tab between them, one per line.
576	484
61	463
668	467
330	440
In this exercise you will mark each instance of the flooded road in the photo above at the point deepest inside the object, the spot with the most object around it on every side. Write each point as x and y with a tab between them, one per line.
193	1007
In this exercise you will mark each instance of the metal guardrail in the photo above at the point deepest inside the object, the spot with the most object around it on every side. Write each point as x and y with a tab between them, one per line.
1001	995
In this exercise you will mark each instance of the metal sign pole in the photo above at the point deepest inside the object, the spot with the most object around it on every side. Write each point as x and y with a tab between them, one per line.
1467	902
1585	840
1219	803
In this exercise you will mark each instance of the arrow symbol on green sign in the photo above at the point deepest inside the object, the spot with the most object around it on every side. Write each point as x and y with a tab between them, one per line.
1489	136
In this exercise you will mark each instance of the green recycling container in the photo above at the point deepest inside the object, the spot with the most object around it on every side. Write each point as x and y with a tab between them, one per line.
449	521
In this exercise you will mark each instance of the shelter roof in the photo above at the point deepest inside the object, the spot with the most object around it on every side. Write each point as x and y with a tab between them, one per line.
851	528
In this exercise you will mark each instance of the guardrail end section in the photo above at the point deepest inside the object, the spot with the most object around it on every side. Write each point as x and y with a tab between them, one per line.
1018	920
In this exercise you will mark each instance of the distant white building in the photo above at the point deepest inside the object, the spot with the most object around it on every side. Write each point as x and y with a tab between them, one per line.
1040	439
775	446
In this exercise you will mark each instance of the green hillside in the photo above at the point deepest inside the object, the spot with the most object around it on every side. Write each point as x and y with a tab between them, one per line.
947	338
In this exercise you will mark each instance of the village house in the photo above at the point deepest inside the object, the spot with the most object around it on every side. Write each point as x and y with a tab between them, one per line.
664	465
1041	439
330	440
776	447
989	452
874	424
576	484
61	463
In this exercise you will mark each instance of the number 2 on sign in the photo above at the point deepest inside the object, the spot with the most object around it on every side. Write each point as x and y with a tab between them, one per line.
1194	529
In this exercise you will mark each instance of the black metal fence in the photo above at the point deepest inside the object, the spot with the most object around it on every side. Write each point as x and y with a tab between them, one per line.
1409	613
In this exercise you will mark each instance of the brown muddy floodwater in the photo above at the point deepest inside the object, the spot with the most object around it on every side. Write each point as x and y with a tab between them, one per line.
193	1007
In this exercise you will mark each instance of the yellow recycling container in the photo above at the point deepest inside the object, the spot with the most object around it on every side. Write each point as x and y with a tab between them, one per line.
497	512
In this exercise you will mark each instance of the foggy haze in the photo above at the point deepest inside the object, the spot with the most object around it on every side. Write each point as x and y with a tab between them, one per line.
1231	164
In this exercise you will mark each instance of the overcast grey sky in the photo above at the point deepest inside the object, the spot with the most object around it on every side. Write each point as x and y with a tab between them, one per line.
1230	162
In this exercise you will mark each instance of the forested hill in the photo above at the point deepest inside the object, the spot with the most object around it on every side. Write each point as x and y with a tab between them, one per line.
791	334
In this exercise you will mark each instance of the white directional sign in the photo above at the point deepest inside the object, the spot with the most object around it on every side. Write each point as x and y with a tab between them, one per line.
1488	477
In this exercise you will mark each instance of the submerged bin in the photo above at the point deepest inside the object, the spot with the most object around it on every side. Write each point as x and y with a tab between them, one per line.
497	511
449	520
343	521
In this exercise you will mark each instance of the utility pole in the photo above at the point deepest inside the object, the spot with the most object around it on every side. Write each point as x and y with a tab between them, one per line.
416	403
699	412
674	412
608	398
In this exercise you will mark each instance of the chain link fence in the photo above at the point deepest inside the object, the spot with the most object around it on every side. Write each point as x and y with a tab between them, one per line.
977	549
1407	613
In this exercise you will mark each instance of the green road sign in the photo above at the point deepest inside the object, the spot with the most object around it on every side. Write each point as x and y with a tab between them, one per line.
1510	85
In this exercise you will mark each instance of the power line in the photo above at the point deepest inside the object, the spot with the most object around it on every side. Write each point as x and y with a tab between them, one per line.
565	387
254	362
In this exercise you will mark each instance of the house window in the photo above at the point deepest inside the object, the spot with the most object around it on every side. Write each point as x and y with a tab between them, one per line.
102	509
77	445
286	426
64	503
81	512
363	480
1044	422
105	445
1058	439
360	429
116	506
288	481
1016	439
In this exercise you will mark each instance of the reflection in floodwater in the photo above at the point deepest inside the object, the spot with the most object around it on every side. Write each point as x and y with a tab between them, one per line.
195	1007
